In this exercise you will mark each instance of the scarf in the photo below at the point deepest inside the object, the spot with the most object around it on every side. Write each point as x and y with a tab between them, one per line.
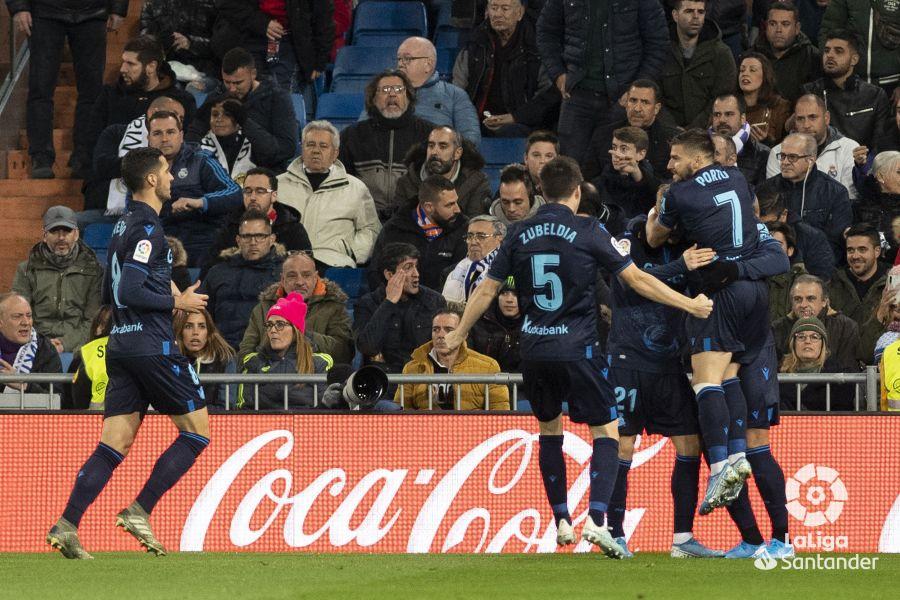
24	358
60	262
135	137
477	271
242	162
431	230
740	138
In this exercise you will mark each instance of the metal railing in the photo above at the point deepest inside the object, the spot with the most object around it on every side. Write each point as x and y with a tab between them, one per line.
867	394
18	59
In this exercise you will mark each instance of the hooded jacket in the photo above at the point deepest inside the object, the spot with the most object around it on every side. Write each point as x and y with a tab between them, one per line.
835	159
801	62
471	183
859	110
498	336
878	64
844	297
328	325
442	103
63	298
497	209
780	291
69	11
340	216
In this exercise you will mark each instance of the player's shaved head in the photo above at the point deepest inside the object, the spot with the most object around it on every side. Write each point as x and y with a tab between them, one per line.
560	178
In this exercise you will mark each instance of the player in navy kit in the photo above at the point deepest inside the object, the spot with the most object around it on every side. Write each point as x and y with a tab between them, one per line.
143	363
554	257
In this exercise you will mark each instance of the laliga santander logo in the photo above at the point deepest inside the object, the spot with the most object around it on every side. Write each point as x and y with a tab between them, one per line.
381	514
815	495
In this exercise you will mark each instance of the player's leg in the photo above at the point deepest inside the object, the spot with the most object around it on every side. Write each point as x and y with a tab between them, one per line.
737	430
629	389
603	470
684	485
615	516
769	479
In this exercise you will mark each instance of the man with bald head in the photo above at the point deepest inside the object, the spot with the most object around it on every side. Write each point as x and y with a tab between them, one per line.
22	348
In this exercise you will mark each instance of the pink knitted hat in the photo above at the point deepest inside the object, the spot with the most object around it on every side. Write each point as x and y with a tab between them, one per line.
291	308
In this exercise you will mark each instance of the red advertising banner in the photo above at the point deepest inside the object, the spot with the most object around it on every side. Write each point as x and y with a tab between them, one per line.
424	483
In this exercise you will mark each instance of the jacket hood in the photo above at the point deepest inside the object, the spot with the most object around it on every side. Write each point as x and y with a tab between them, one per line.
496	209
86	258
333	292
420	354
471	159
708	33
336	177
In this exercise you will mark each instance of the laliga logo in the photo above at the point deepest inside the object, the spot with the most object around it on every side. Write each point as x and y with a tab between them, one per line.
813	507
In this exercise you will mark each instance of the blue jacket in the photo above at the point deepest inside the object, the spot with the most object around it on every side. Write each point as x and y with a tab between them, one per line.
443	103
636	42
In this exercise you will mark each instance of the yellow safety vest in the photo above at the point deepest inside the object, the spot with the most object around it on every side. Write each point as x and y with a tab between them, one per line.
93	360
890	377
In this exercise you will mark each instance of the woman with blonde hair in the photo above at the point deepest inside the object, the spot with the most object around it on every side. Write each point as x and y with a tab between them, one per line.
808	353
200	341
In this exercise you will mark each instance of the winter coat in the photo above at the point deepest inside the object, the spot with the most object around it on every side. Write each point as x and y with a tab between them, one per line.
69	11
310	23
194	20
497	209
46	360
471	395
729	15
373	150
689	86
877	63
234	287
861	111
813	395
800	63
878	209
328	326
836	159
843	337
780	291
442	103
393	331
64	299
752	161
471	183
813	248
635	41
774	113
528	94
498	337
845	299
660	136
269	124
633	197
340	216
271	395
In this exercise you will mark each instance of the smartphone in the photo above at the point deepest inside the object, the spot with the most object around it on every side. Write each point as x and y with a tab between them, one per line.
487	114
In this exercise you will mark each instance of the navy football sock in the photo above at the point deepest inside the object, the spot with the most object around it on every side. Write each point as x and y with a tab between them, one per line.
553	472
92	478
770	482
737	418
713	417
742	514
615	516
604	465
170	466
685	481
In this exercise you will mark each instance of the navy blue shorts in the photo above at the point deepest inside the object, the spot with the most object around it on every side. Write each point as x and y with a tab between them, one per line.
660	403
759	383
738	324
169	383
547	384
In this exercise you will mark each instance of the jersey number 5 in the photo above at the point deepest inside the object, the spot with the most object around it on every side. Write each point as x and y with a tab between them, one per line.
548	301
737	222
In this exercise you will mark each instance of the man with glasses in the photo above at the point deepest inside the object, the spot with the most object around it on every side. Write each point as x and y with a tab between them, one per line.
260	193
482	240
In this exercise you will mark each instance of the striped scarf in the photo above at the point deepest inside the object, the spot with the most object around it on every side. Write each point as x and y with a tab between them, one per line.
431	230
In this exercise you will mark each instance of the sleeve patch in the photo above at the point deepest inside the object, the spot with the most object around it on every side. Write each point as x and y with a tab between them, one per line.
142	251
623	247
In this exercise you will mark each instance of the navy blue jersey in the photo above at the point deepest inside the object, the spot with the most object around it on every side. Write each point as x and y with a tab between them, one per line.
715	208
554	257
138	243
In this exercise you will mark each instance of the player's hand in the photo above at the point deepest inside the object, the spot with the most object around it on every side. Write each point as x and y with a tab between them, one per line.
393	291
453	340
561	86
701	306
860	154
694	257
8	369
716	276
186	204
190	301
275	30
22	20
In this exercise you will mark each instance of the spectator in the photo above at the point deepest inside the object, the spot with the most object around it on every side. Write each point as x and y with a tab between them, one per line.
288	39
337	209
628	180
501	70
266	114
699	66
88	389
434	225
517	200
482	240
496	333
202	193
729	117
767	111
234	284
261	194
593	71
835	153
449	155
882	327
143	77
61	280
181	275
811	195
201	342
879	201
809	353
857	288
859	110
327	322
373	150
896	116
877	24
22	348
642	105
731	17
540	148
226	141
48	23
285	350
184	29
809	298
433	357
811	246
780	285
437	101
393	320
795	59
726	151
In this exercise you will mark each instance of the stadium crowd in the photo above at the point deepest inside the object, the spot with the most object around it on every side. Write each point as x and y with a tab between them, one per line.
370	238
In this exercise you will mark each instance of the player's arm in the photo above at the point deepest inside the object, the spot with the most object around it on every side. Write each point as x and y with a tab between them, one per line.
478	303
767	260
652	288
656	232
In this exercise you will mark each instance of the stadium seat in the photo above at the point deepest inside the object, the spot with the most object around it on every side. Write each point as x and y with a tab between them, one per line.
499	152
97	236
352	281
355	66
299	109
450	38
445	59
340	110
379	20
493	177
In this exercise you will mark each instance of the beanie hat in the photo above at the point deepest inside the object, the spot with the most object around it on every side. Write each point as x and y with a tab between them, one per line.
292	308
509	285
809	324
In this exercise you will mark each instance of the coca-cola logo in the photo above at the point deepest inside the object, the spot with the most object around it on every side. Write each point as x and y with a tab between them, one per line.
368	511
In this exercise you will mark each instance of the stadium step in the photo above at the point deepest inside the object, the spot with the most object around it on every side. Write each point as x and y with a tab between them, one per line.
18	164
62	140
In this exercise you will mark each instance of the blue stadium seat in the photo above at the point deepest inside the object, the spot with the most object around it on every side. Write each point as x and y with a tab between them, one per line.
340	110
375	39
493	177
66	359
97	236
375	19
445	59
299	109
355	66
499	152
352	281
450	37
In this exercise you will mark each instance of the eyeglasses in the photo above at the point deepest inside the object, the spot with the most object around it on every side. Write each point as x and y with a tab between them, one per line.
387	89
808	337
791	158
405	60
254	237
248	191
471	237
276	325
